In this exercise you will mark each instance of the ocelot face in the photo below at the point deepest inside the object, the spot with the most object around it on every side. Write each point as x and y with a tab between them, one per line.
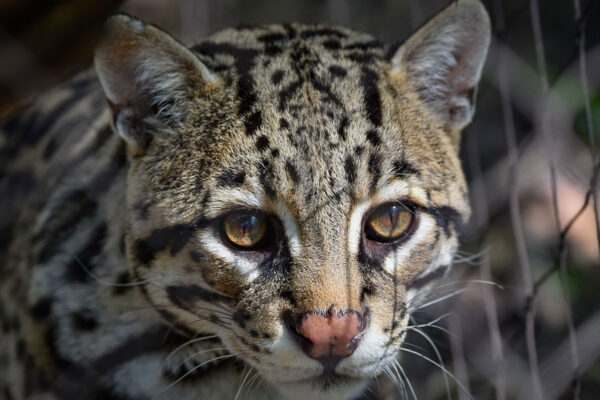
294	189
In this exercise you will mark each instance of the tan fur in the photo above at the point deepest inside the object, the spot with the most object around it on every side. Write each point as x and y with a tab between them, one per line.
116	256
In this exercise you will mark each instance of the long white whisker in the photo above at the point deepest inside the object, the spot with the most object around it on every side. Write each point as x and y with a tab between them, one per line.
439	357
440	299
458	383
191	341
245	377
410	386
191	371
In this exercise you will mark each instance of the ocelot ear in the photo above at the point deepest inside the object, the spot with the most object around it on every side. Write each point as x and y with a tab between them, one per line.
148	77
442	62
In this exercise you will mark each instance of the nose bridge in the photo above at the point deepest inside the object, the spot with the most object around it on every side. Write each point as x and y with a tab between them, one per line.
327	276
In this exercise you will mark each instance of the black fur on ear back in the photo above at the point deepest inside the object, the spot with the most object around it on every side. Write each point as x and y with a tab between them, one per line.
443	60
148	77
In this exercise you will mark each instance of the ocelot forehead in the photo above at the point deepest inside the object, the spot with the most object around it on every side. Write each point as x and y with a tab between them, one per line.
320	119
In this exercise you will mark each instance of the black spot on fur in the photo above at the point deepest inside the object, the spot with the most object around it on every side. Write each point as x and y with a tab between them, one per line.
277	76
371	96
231	178
289	296
283	124
123	279
244	61
42	308
272	37
337	71
367	291
292	172
262	143
173	237
196	256
446	216
31	127
83	321
322	32
428	278
403	169
50	148
83	259
374	168
266	176
253	122
241	319
350	168
286	94
275	153
255	348
342	128
373	137
364	46
253	333
143	209
188	296
325	90
51	340
332	44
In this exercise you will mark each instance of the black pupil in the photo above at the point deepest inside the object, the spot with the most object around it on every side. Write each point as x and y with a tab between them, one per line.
393	215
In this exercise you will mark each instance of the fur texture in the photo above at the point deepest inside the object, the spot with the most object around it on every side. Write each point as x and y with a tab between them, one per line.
115	280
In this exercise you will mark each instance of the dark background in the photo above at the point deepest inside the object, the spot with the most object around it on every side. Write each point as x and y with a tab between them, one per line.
530	156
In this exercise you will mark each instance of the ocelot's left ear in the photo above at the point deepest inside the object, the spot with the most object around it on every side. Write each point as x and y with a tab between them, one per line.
442	62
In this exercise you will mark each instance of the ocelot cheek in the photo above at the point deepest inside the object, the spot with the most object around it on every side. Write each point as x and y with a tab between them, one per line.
219	275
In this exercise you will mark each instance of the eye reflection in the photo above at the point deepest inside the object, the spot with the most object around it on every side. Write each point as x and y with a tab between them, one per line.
245	230
388	222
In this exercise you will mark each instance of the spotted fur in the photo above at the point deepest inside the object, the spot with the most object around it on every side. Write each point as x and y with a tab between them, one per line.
114	280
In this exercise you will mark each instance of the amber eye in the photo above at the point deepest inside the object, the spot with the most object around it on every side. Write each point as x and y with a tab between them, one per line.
389	222
244	229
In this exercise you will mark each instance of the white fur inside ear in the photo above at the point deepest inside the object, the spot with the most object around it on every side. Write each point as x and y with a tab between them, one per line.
443	60
147	74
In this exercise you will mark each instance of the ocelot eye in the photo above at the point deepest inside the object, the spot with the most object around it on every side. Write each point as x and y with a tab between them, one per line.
389	222
246	229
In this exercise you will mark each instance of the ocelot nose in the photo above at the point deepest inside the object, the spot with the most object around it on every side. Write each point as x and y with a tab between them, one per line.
329	337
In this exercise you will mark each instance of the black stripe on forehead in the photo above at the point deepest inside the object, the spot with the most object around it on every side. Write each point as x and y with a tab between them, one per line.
403	169
372	97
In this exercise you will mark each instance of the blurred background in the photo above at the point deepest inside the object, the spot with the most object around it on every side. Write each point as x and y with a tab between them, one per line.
519	317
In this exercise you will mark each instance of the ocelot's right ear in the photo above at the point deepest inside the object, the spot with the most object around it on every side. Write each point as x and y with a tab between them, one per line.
149	79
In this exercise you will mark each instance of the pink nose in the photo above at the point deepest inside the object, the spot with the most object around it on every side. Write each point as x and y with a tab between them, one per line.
329	338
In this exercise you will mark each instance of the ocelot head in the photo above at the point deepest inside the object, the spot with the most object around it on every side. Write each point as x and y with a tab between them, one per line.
295	189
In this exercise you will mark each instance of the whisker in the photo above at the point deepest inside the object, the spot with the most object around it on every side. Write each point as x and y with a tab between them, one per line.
191	341
245	377
439	357
440	299
102	281
410	386
458	383
191	371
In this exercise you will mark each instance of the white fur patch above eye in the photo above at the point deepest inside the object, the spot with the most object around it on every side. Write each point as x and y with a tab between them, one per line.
290	227
225	199
401	255
219	250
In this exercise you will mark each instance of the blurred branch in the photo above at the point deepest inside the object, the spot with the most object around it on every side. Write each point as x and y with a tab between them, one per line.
555	378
